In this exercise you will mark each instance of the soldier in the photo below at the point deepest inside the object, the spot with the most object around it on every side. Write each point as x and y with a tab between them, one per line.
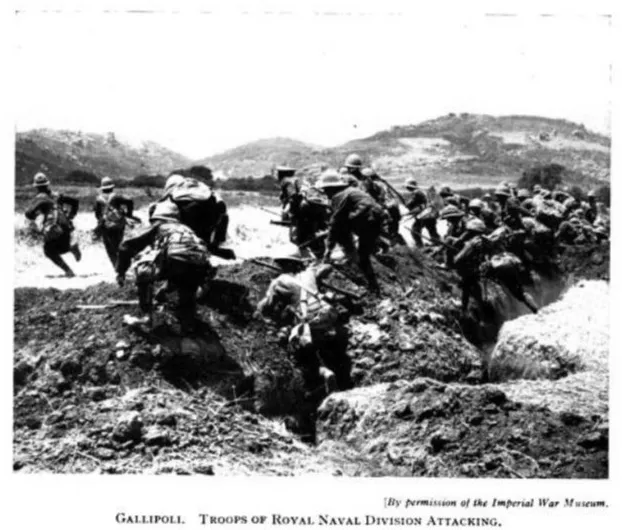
354	212
380	192
424	215
502	194
468	260
179	257
57	211
591	208
201	209
313	328
479	209
111	212
455	231
290	187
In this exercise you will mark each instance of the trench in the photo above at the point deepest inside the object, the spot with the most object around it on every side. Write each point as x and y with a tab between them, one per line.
281	391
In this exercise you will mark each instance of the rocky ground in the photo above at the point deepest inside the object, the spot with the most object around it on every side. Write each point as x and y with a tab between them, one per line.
93	396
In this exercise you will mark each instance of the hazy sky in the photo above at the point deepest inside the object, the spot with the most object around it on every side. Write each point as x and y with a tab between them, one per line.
203	83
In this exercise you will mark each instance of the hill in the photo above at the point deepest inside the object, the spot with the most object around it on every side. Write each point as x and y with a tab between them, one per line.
61	152
461	150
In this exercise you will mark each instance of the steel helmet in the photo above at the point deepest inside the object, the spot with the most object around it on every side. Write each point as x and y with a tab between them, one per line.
487	197
411	184
528	204
343	170
451	212
173	181
502	190
165	211
592	194
354	161
40	180
107	184
571	203
476	225
445	191
476	204
536	188
546	194
331	179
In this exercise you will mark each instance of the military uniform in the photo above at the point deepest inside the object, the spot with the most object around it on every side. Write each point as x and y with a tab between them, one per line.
111	211
58	212
181	259
316	333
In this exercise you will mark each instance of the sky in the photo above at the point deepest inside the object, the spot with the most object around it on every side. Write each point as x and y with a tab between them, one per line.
201	84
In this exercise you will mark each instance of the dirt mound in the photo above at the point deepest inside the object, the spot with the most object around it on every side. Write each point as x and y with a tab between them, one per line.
590	262
154	429
232	372
565	347
427	428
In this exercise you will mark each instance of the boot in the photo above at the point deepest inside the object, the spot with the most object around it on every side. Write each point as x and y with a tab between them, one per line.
75	250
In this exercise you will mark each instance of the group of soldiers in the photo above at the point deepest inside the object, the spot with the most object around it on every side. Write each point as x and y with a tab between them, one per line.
501	237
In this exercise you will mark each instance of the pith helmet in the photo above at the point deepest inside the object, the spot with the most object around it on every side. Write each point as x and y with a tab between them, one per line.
107	184
411	184
502	191
40	180
476	225
354	161
476	204
172	182
445	191
165	211
451	212
331	179
283	171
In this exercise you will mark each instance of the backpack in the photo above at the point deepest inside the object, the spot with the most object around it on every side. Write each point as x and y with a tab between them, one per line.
113	218
56	223
197	206
549	213
180	243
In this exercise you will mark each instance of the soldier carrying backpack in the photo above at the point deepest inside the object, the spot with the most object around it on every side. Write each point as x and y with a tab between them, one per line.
111	212
179	258
58	212
200	209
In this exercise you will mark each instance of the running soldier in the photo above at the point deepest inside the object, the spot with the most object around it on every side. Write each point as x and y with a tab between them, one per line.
111	212
58	212
354	212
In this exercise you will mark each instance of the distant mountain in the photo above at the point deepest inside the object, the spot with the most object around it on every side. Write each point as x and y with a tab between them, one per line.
462	150
58	153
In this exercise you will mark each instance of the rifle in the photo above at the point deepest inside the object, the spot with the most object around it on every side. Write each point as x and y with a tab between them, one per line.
272	212
329	286
395	192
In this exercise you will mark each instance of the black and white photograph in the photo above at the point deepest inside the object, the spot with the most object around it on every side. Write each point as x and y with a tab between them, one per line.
300	243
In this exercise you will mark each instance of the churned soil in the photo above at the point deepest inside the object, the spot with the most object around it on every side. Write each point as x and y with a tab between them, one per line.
92	394
427	428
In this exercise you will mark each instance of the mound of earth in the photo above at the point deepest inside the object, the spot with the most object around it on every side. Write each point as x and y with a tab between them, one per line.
569	336
427	428
72	355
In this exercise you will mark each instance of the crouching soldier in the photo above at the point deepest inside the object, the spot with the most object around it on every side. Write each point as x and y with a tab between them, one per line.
180	258
57	211
354	212
111	212
313	328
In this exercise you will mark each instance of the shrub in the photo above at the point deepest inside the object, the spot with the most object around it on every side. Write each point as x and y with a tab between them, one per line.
82	178
548	176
